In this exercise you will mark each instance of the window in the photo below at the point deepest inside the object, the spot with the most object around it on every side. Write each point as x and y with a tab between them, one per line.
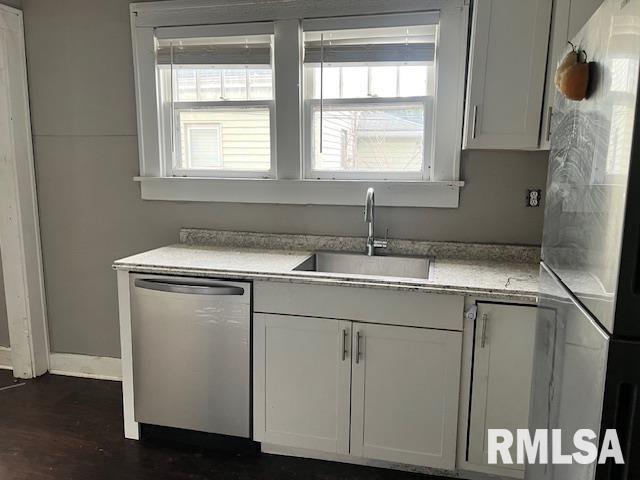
203	146
369	99
300	102
217	104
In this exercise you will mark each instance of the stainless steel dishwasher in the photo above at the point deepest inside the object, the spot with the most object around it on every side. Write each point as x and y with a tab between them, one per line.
191	353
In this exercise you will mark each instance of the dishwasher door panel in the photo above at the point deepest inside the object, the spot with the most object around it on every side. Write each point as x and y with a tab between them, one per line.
191	353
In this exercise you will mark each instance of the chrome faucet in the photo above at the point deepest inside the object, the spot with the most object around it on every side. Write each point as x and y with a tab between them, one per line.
369	208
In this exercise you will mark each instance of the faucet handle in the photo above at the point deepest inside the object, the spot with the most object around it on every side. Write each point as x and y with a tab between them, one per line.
382	243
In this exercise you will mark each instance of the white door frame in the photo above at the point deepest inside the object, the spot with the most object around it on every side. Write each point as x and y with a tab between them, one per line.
19	226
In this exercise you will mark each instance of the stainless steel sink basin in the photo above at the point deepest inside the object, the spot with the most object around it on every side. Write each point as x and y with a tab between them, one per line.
361	264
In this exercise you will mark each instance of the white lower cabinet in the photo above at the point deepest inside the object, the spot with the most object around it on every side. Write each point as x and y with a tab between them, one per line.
382	392
404	399
502	370
302	376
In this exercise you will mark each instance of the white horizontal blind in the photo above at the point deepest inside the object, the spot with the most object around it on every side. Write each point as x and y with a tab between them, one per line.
214	54
230	50
371	53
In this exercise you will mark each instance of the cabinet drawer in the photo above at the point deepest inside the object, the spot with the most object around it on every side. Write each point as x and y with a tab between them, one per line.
415	309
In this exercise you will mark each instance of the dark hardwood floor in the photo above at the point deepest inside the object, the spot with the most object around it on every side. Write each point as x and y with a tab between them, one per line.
59	428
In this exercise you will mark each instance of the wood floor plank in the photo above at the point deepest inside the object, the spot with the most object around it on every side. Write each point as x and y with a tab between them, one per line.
64	428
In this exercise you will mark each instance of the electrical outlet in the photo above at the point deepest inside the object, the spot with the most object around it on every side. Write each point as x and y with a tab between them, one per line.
534	197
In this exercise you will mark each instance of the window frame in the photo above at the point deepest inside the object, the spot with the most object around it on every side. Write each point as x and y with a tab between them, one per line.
168	130
287	182
368	22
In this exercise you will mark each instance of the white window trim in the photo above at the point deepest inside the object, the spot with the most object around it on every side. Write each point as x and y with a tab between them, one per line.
287	186
300	192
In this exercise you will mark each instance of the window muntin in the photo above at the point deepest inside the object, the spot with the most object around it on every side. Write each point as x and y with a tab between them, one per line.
368	102
226	81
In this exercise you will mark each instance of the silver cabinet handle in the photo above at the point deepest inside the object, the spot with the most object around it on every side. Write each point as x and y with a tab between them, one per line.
194	289
549	115
475	121
358	336
344	344
483	338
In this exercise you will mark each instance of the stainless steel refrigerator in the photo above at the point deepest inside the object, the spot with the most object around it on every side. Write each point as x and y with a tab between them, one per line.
587	363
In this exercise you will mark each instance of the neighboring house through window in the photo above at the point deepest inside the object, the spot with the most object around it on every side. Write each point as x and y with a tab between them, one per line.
201	145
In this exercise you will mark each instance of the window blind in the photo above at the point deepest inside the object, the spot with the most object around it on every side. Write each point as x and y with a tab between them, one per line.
225	54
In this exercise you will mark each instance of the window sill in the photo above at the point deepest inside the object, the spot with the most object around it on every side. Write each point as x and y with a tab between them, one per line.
301	192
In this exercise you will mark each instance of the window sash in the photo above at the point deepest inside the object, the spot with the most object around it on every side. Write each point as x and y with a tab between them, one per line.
310	173
173	171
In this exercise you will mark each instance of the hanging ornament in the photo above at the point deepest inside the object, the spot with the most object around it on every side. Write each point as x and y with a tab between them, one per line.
572	74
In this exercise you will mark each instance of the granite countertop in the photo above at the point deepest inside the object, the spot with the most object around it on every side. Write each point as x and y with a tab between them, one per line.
514	276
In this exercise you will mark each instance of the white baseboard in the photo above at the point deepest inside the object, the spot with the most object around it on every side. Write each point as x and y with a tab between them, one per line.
5	358
85	366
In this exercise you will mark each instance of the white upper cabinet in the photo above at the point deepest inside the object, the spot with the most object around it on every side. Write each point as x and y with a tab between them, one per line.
507	66
405	386
502	374
569	16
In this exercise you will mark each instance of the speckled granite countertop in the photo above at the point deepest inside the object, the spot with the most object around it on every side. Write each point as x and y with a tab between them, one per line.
461	269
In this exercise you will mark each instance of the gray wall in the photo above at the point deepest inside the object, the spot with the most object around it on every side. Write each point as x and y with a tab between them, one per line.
12	3
4	325
83	113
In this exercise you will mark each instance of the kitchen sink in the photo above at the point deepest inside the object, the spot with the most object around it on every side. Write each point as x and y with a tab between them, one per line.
361	264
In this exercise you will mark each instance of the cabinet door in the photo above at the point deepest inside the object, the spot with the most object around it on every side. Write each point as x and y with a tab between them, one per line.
302	375
507	73
404	404
502	373
569	16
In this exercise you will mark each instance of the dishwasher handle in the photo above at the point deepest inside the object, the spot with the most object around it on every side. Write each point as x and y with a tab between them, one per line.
193	289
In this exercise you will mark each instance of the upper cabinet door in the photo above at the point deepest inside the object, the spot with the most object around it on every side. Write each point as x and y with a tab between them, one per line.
509	43
302	375
569	16
404	399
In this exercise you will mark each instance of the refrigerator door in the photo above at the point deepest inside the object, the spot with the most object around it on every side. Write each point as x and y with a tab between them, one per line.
591	147
569	375
621	410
